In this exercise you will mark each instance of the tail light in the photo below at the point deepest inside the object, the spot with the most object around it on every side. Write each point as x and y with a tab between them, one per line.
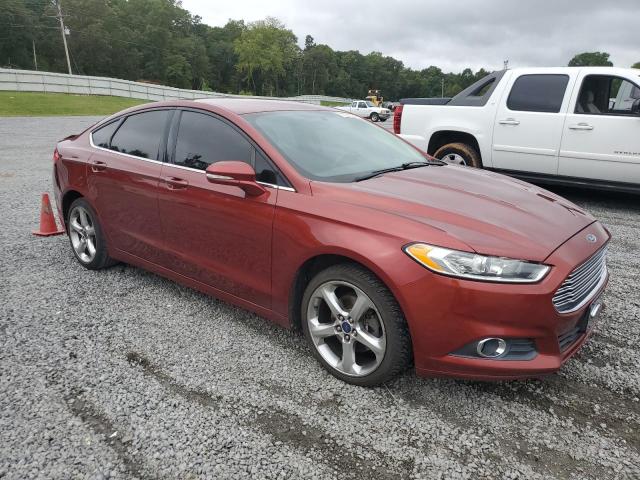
56	155
397	119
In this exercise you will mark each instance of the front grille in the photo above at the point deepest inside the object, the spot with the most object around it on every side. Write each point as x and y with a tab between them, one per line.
581	283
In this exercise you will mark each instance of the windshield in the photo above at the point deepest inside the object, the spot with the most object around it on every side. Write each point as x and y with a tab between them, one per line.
332	146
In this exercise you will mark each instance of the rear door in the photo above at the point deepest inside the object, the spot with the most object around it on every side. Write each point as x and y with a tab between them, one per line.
216	234
601	139
123	177
529	120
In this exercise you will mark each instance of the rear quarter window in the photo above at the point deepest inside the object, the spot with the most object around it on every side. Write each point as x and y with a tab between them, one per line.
102	136
538	93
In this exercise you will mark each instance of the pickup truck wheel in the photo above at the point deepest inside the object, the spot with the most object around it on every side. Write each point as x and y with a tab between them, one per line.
459	154
383	119
374	117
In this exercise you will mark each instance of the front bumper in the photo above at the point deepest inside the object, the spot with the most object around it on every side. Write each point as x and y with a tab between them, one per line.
445	314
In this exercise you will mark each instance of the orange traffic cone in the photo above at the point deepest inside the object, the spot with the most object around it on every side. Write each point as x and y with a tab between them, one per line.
48	225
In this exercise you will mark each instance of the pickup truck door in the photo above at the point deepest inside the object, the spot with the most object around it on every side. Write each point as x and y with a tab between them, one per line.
363	110
529	121
601	138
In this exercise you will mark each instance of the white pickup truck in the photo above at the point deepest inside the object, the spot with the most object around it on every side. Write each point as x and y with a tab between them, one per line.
573	125
366	109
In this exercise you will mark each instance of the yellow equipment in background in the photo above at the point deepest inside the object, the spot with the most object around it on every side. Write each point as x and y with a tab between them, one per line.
374	97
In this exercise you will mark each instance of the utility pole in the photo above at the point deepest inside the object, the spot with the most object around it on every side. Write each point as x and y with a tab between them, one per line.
35	59
442	85
64	36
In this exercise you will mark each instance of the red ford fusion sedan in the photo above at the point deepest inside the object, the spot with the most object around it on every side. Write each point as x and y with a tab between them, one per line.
319	220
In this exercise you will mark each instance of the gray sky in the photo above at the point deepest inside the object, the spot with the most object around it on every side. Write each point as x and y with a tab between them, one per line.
452	34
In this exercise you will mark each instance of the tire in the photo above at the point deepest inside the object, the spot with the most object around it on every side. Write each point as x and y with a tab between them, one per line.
383	119
86	236
457	153
379	323
374	117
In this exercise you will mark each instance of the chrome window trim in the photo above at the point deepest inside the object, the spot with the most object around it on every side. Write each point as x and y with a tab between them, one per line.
93	145
120	153
277	187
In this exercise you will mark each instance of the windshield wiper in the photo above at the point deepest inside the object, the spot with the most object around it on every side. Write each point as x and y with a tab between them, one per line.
399	168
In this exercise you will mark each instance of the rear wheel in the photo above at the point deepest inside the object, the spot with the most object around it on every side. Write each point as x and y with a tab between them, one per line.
86	237
459	154
355	326
374	117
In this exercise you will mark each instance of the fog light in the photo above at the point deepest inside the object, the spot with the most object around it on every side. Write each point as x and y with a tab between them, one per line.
491	347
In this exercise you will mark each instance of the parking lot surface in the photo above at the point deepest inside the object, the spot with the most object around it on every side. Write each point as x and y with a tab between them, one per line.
123	374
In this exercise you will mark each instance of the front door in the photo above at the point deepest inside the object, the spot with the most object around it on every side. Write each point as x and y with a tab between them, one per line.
215	234
601	137
528	123
123	177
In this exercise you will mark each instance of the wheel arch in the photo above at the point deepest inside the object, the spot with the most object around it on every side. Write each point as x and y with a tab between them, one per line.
443	137
68	198
318	262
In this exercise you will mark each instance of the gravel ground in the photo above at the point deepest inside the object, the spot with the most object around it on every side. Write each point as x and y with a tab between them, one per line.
123	374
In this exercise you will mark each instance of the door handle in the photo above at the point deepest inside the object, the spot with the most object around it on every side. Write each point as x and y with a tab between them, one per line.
175	183
97	166
581	126
509	121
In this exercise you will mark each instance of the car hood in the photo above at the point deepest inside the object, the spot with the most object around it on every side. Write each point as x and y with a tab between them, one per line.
491	213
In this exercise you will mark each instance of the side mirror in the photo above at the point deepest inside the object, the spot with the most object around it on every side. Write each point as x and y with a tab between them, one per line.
235	174
635	107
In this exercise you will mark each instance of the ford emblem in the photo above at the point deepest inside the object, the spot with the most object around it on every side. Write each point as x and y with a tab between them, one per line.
591	238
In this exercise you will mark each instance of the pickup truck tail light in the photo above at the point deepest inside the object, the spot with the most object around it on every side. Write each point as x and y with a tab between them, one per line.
397	119
56	155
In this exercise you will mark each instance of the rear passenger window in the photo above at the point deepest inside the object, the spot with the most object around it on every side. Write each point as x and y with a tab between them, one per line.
102	135
203	140
140	134
538	93
606	95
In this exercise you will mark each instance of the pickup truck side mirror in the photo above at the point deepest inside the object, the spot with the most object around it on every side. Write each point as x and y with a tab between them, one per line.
236	174
635	107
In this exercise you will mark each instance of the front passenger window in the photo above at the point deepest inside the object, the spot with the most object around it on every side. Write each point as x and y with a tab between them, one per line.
203	140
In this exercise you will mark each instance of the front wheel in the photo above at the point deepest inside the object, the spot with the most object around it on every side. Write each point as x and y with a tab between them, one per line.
355	326
374	117
86	236
459	154
383	119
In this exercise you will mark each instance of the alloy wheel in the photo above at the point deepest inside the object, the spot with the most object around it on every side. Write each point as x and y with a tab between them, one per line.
346	328
83	234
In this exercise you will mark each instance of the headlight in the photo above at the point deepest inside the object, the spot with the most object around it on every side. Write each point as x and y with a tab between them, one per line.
475	267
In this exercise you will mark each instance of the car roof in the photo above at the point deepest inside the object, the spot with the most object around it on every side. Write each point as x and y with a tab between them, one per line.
241	106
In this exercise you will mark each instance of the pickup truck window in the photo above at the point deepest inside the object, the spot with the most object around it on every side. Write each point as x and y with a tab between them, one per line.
538	93
606	95
362	105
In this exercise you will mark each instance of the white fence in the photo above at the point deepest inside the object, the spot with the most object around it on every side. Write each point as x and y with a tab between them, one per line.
48	82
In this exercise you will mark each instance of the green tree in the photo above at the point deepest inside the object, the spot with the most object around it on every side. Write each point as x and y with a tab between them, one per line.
265	48
591	59
636	65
